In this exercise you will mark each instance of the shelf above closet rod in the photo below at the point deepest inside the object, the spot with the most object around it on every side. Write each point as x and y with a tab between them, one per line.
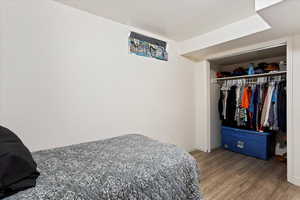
252	76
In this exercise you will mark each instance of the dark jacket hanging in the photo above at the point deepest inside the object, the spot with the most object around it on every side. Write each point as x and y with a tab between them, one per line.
220	105
282	113
230	107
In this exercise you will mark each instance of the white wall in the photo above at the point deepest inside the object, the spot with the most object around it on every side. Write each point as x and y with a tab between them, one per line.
66	77
294	125
201	104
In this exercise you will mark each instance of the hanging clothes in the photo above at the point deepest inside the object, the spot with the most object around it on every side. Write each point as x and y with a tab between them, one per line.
281	109
231	106
253	104
273	116
267	106
260	106
251	108
246	100
223	102
221	105
261	112
238	102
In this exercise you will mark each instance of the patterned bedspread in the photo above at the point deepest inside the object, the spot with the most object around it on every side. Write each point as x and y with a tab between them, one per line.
130	167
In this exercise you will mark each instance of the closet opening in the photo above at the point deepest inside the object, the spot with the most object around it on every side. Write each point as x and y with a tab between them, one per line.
248	103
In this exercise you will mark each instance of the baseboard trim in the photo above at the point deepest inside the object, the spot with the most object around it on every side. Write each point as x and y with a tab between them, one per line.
294	180
196	149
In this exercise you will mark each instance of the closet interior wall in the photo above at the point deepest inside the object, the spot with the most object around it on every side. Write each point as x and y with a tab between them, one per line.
229	65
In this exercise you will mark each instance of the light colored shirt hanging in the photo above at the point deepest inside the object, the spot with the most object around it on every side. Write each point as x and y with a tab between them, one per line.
267	106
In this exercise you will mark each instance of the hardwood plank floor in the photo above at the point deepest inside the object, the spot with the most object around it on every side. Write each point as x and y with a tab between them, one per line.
230	176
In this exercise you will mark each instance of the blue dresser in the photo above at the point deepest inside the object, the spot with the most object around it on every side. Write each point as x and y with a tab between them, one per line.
251	143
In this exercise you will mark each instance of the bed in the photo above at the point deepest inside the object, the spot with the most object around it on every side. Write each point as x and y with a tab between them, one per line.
131	167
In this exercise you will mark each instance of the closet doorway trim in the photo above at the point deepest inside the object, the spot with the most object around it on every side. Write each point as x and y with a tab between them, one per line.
288	42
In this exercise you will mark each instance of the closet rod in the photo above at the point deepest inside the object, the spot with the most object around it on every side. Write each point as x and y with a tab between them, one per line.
251	76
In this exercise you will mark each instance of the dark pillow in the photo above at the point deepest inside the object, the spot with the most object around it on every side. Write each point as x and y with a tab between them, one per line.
18	170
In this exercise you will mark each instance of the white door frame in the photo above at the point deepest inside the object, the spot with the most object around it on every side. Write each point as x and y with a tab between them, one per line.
266	45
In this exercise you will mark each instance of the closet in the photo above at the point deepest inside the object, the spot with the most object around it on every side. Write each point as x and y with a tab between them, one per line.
248	97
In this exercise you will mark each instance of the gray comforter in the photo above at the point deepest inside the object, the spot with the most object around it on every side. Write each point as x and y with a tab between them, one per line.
128	167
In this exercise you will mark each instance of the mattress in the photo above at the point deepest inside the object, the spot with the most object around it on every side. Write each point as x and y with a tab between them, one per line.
130	167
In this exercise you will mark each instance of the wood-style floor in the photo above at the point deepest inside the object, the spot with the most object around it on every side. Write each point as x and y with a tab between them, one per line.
230	176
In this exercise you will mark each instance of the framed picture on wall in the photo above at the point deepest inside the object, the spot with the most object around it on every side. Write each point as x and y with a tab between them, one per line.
148	47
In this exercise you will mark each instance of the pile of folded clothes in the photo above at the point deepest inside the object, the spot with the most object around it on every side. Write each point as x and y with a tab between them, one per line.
252	69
